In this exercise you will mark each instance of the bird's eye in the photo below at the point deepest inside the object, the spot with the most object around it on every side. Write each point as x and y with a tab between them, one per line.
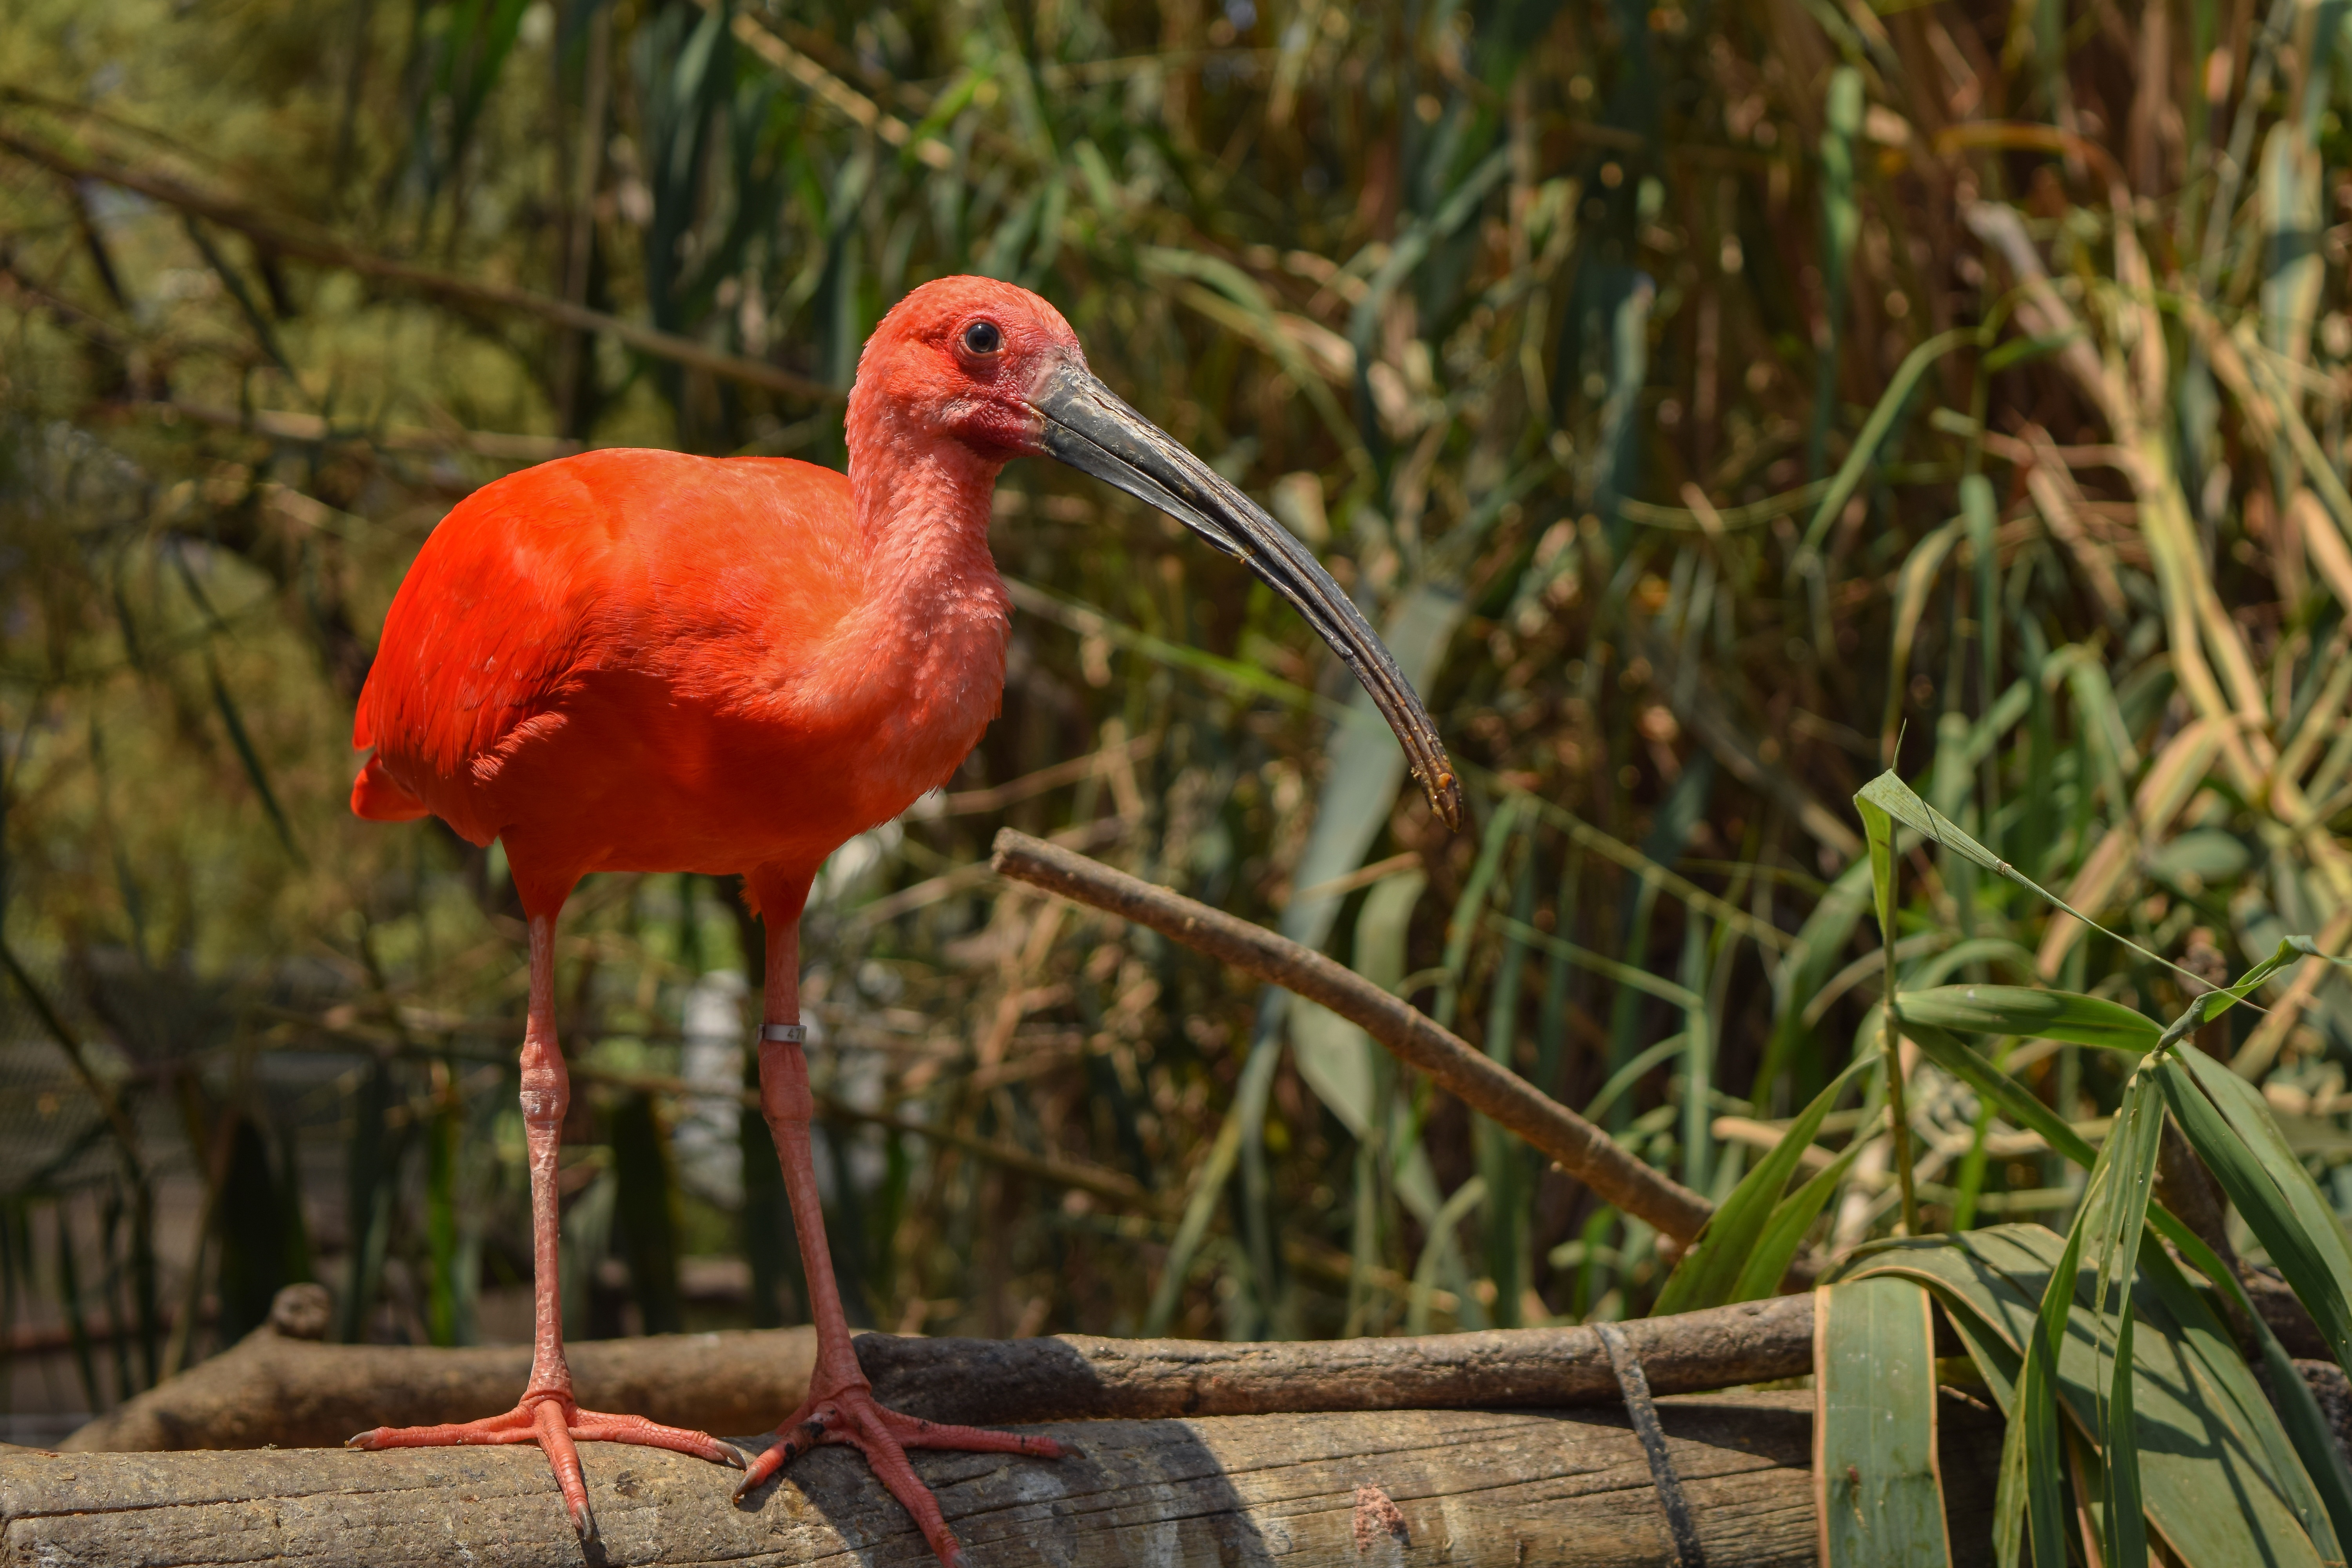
982	338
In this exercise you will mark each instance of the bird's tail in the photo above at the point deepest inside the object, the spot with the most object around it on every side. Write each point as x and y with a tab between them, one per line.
379	798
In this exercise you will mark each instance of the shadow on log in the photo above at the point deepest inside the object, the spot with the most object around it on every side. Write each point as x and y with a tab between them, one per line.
1339	1487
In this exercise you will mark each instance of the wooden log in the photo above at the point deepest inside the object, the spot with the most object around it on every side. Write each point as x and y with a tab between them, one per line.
278	1387
1322	1490
1079	1376
269	1389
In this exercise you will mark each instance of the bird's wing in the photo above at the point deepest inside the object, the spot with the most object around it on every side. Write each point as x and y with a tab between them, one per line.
608	561
478	641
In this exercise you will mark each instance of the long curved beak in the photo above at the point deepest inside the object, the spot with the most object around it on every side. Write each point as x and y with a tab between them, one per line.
1089	427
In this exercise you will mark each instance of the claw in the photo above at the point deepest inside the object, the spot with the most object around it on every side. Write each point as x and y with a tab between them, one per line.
556	1423
852	1415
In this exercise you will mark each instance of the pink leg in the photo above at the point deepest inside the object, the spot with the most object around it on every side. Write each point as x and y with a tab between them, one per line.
840	1406
547	1415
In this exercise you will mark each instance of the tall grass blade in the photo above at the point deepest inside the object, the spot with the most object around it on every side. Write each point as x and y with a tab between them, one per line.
1874	431
1711	1269
2115	1217
2027	1512
1444	1239
1892	796
370	1179
1792	1217
233	720
1878	828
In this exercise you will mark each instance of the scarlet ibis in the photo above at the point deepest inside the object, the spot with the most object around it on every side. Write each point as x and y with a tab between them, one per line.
646	661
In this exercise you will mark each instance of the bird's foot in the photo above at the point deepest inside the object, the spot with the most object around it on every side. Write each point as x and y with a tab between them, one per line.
555	1422
852	1415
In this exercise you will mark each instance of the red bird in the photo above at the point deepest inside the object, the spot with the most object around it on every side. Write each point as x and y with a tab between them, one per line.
645	661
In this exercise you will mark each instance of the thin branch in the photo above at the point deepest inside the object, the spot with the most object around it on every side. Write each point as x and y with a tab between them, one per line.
1582	1149
291	239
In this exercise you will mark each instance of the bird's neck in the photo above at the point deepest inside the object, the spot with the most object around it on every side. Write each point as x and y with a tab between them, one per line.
919	667
923	506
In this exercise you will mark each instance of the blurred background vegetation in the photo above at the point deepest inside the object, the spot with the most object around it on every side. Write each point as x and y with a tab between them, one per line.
1713	404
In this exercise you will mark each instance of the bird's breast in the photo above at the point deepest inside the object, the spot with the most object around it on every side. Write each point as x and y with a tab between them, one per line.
907	694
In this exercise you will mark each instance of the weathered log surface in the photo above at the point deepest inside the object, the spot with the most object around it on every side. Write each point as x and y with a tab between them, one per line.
274	1387
1351	1489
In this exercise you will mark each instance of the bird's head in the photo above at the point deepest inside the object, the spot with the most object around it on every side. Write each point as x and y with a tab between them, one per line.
993	366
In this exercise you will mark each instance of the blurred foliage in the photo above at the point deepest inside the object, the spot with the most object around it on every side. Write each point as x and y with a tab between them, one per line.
1713	405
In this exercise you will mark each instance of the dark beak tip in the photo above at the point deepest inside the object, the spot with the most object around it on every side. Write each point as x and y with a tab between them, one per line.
1446	799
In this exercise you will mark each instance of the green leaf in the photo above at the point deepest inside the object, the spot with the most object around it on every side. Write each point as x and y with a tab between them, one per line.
2230	1129
1877	1489
2025	351
1711	1269
1878	828
2326	1481
1810	960
2029	1010
1760	1275
2300	1444
1891	796
2213	1003
1456	1208
1873	430
2126	1516
2193	1447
